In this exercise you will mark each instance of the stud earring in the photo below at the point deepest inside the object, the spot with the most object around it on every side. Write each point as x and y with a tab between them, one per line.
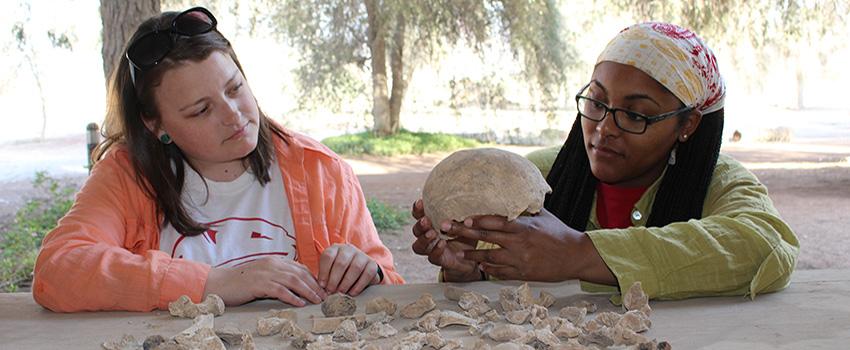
165	138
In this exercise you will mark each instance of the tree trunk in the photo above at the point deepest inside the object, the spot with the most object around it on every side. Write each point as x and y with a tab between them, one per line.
378	48
120	19
399	82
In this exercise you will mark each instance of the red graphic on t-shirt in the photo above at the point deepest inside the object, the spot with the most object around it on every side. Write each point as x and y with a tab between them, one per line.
246	233
258	235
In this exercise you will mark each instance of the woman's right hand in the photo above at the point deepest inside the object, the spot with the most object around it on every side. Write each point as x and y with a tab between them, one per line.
269	277
443	253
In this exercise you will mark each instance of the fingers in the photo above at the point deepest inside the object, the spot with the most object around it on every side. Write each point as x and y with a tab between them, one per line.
418	209
498	256
282	293
318	293
443	256
468	231
421	226
503	272
298	280
355	269
366	278
338	267
325	264
424	244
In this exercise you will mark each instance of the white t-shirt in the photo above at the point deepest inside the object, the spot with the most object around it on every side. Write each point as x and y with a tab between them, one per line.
247	221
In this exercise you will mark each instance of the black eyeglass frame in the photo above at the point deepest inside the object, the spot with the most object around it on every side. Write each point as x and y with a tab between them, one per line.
648	120
172	32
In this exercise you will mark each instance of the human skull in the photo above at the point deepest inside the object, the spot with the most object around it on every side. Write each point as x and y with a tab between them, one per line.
483	181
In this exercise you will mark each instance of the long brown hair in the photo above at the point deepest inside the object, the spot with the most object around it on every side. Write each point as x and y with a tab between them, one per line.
153	160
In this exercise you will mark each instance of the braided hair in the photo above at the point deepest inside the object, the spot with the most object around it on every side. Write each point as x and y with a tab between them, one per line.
680	196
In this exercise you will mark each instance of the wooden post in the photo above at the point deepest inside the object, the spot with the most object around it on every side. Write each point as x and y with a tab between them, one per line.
92	139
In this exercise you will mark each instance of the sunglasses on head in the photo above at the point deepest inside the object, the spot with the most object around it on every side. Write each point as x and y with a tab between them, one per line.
150	49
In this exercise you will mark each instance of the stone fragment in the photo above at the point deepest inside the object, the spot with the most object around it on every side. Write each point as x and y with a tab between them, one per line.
247	341
600	337
435	340
512	346
419	307
346	332
625	336
381	330
567	330
542	338
302	340
451	318
428	323
591	326
184	307
381	304
339	305
518	316
127	342
272	325
608	318
475	304
551	322
200	335
571	344
512	299
635	320
590	307
506	332
453	293
492	316
573	314
414	340
546	299
456	188
230	335
285	313
480	344
326	342
636	299
153	341
323	325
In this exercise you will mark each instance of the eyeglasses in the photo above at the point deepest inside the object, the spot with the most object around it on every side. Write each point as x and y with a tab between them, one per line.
150	49
628	121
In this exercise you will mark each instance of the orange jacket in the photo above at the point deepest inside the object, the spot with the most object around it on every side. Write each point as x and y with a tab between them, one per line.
104	254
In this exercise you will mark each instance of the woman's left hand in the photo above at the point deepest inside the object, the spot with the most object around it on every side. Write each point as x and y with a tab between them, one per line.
346	269
533	248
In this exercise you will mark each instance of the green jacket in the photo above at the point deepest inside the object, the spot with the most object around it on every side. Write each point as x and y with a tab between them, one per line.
740	246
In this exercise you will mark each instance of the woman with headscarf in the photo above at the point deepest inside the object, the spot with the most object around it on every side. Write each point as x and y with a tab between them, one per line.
640	190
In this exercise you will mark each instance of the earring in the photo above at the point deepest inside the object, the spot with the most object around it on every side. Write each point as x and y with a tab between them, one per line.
685	136
672	159
165	138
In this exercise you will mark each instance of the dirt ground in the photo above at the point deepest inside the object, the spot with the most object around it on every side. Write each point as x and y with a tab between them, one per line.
808	182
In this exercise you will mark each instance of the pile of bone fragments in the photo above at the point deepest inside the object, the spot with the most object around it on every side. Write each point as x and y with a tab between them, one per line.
517	321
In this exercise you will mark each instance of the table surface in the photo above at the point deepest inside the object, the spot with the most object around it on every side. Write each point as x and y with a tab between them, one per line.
813	312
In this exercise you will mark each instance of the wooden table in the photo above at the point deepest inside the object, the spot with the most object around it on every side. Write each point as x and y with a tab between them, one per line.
814	312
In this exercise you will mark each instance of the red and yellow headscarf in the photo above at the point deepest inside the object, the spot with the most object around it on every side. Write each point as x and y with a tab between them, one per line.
675	57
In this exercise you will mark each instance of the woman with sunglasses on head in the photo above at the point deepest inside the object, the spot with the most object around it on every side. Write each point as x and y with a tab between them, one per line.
640	191
197	192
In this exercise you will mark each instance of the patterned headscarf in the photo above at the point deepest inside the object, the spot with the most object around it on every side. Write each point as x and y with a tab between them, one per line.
675	57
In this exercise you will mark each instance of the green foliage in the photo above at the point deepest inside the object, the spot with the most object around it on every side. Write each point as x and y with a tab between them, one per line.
403	142
386	217
338	37
20	242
